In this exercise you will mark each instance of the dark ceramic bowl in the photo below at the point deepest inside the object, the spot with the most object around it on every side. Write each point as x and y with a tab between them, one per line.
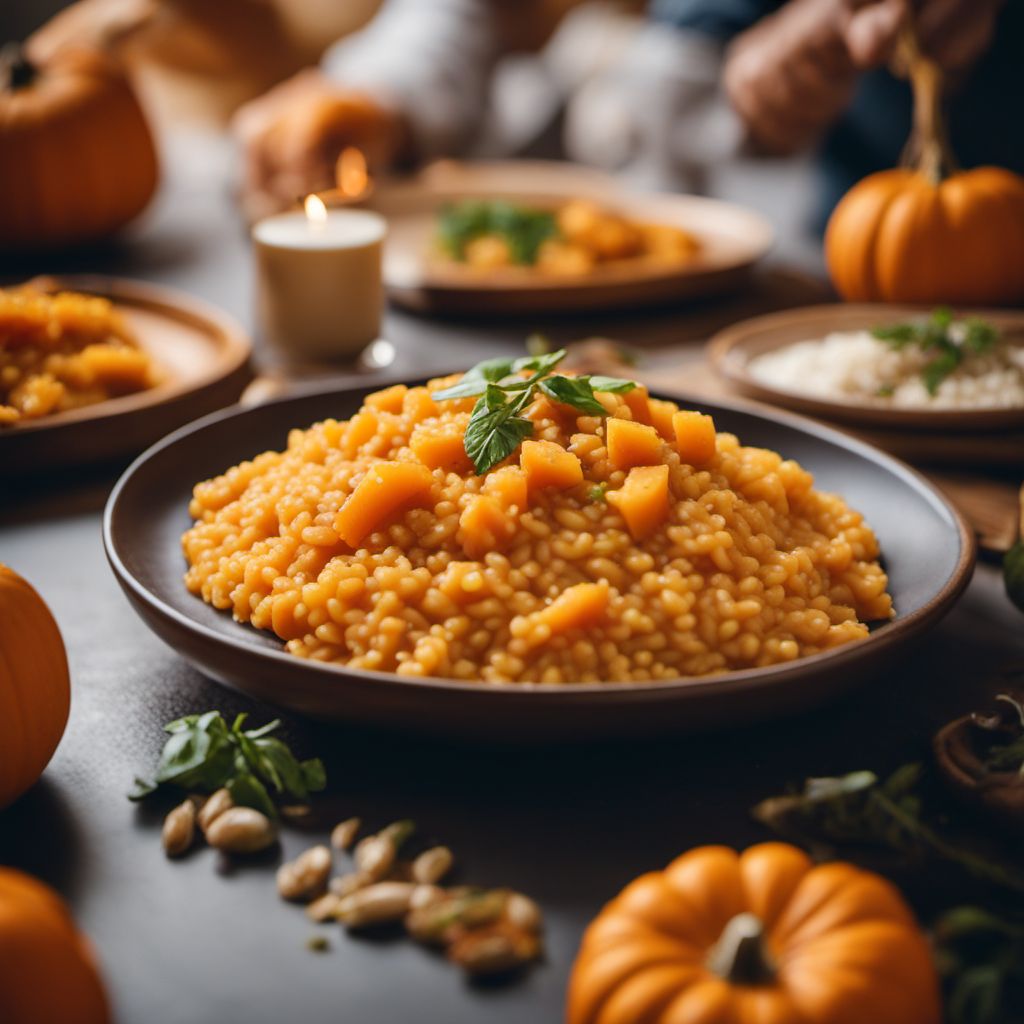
927	548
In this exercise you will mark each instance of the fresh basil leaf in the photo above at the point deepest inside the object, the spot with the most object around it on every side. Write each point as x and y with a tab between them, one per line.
544	362
475	380
141	789
314	775
198	748
278	763
615	385
264	730
574	391
494	432
247	791
939	369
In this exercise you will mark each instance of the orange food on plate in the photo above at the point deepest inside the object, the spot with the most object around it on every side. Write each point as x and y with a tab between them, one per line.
62	351
591	548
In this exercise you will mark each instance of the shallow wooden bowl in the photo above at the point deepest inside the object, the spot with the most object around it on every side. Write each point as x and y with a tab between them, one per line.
732	240
928	552
203	351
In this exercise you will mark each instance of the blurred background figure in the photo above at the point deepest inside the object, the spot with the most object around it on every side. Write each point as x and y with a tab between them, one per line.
815	74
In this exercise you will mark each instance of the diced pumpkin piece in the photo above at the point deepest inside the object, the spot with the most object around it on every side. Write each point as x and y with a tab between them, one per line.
638	404
695	437
661	417
441	445
642	500
483	526
508	486
419	404
579	607
388	400
386	488
361	428
632	444
547	464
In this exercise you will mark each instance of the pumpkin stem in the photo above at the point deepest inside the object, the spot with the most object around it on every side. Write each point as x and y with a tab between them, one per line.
740	955
928	150
16	70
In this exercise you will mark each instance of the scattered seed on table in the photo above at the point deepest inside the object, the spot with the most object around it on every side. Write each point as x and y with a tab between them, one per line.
241	830
344	833
306	876
179	831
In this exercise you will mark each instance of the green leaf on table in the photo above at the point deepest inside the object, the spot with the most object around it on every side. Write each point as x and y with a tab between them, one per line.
1013	574
203	753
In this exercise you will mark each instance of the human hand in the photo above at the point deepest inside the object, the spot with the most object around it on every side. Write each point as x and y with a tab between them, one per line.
953	33
292	135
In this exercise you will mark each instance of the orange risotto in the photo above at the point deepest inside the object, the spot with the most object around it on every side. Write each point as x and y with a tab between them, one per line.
635	547
61	351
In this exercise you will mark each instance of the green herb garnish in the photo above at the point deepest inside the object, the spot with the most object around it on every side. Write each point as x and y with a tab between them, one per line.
980	957
496	428
203	754
947	340
522	228
862	810
598	492
1013	574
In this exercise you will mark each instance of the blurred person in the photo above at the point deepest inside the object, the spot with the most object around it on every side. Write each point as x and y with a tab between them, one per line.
414	84
815	74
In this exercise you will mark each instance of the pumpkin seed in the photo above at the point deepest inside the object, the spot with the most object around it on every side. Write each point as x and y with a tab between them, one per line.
179	831
344	833
432	865
240	830
376	904
323	909
306	876
213	808
494	949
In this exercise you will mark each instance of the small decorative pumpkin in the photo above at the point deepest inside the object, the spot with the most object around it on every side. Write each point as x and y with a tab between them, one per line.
77	160
35	691
928	232
47	970
726	938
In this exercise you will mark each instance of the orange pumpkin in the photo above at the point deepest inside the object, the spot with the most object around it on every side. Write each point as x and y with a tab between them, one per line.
927	232
35	692
77	160
765	936
47	970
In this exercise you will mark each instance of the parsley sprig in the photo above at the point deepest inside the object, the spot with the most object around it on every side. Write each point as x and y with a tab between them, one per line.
949	341
523	229
204	753
504	388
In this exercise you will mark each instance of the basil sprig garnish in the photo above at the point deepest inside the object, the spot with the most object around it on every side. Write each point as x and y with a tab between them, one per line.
948	341
496	427
204	754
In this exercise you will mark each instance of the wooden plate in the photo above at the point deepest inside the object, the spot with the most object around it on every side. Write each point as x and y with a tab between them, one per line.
928	552
203	351
733	239
732	350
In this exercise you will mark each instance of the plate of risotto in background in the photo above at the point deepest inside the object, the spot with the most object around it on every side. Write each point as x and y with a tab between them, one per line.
906	367
94	369
536	237
520	553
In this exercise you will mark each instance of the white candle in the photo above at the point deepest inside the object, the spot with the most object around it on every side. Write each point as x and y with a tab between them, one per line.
318	280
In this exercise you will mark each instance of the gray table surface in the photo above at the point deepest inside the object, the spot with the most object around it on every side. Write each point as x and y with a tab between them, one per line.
201	941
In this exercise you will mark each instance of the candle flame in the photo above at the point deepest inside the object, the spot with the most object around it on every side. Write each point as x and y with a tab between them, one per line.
315	208
350	171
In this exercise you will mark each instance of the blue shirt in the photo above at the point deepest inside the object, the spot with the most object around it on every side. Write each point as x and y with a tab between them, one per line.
985	114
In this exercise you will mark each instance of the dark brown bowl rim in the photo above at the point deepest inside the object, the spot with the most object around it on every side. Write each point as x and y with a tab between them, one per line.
894	632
